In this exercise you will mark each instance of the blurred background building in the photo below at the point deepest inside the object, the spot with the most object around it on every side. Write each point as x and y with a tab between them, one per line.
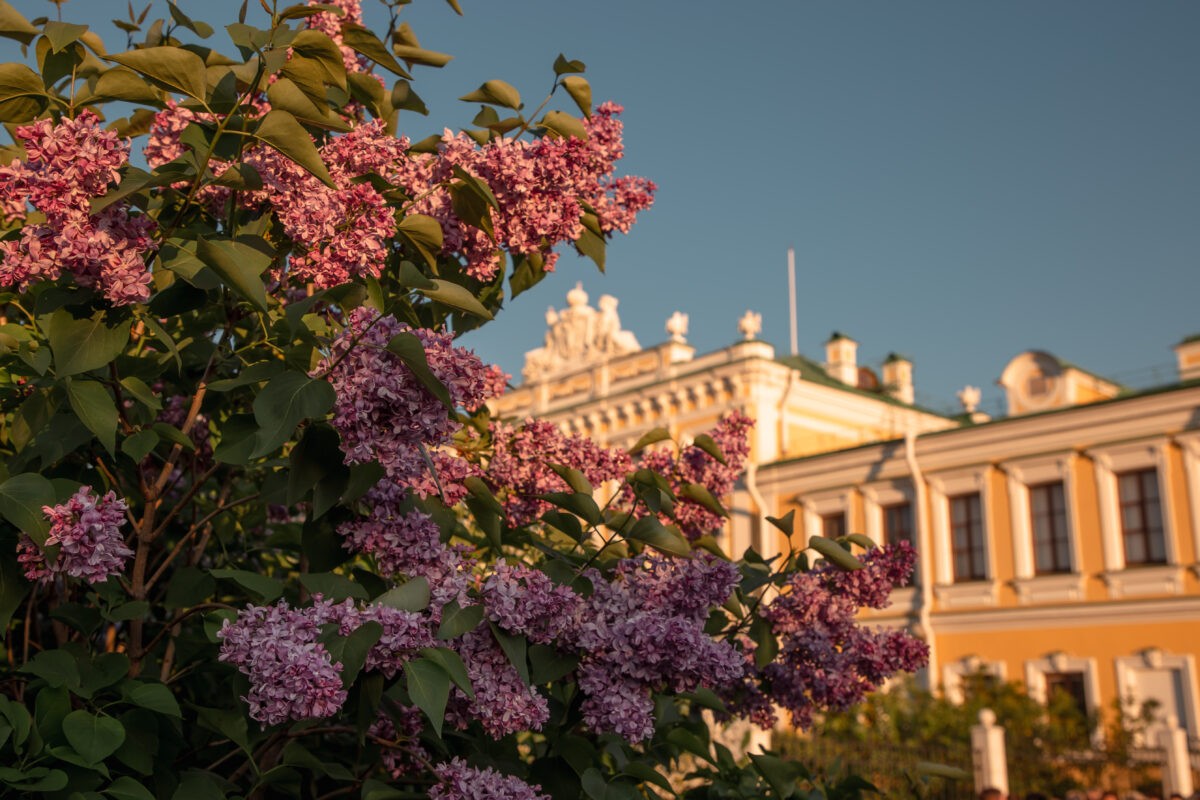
1058	544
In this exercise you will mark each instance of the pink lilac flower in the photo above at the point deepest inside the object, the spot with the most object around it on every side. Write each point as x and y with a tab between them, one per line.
694	465
87	531
643	632
385	414
407	543
503	704
67	165
519	468
292	676
525	601
461	782
826	659
330	23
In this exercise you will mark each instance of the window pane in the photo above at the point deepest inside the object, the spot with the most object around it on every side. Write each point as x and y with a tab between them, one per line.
1135	550
1062	555
1131	519
1158	549
1153	516
1128	486
958	510
1149	484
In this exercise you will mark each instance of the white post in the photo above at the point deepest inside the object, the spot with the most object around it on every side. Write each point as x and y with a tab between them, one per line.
988	754
1177	767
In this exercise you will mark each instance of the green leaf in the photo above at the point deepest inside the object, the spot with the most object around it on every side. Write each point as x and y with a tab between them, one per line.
419	55
647	774
127	788
452	663
362	41
582	505
573	477
565	125
280	130
780	775
650	531
141	392
699	494
61	34
319	48
155	697
706	443
14	26
470	207
268	589
423	234
429	687
408	348
834	553
239	265
13	588
351	651
413	595
21	500
95	408
122	83
94	736
283	403
594	785
563	66
22	93
36	779
201	29
581	92
786	523
31	417
457	620
515	647
496	93
172	68
592	246
549	665
865	542
650	437
766	645
456	296
80	345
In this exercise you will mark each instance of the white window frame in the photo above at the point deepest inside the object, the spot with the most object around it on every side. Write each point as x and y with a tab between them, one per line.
1022	474
1154	658
1037	669
1142	580
942	487
875	497
955	673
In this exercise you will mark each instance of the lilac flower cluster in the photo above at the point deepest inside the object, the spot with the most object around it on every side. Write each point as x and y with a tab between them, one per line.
826	659
330	23
643	631
398	733
87	531
461	782
385	414
525	601
519	467
503	704
695	465
407	543
292	676
67	165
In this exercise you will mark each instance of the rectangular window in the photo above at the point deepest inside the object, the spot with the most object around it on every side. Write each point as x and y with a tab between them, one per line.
1048	520
966	538
1070	685
1141	517
833	526
897	524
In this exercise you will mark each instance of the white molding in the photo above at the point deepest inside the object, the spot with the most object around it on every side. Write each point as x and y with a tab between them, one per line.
1143	581
944	485
1154	659
954	673
879	494
1146	613
1190	445
1112	459
967	595
1026	472
818	504
1059	588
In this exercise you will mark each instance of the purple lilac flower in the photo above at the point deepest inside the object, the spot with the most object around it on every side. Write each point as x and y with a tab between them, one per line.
461	782
87	531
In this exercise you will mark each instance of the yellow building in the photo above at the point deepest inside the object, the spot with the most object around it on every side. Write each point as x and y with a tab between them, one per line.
1058	545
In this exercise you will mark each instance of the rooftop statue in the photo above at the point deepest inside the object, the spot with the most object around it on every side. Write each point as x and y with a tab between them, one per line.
578	335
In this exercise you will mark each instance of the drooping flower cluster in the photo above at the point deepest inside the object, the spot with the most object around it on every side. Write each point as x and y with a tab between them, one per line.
519	467
540	186
462	782
696	466
826	659
68	164
292	676
87	532
503	704
385	414
643	631
525	601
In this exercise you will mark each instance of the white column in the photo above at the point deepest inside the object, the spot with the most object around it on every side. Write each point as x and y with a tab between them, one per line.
988	754
1177	767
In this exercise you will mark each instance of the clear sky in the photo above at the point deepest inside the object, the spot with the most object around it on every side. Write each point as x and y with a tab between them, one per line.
961	180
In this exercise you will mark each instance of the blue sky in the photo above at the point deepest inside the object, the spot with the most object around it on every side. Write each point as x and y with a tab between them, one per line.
961	180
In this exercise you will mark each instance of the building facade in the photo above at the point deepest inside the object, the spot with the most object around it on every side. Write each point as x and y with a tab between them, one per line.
1058	545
